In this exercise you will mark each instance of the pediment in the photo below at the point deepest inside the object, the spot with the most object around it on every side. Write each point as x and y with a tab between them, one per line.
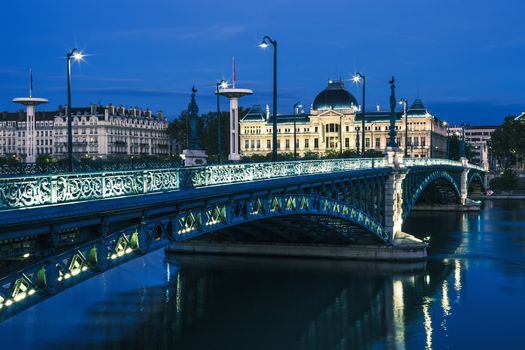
331	113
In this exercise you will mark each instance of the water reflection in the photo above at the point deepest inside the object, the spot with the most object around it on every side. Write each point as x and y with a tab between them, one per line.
260	303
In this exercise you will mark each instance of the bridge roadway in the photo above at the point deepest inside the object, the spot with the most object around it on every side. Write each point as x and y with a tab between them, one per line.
61	229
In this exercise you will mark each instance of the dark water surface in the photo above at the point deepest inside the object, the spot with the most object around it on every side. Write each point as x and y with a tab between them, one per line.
470	294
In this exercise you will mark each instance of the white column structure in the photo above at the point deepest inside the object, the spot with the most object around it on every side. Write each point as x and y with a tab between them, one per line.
30	103
234	94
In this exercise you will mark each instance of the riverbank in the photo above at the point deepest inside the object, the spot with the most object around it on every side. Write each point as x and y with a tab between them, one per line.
404	248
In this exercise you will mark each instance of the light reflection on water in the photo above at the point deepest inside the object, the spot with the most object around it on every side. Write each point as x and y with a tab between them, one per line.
468	295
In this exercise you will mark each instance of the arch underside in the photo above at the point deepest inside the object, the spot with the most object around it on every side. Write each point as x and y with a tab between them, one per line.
436	187
330	219
475	182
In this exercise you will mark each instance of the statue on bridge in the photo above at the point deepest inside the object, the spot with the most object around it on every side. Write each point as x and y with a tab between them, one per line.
392	133
194	155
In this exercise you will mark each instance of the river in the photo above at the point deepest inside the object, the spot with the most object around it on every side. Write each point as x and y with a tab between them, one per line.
469	294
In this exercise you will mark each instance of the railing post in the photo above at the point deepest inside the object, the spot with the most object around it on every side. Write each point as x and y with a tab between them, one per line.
144	182
103	184
53	187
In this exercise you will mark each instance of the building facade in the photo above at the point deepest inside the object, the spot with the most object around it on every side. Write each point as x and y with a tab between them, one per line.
478	136
334	124
98	133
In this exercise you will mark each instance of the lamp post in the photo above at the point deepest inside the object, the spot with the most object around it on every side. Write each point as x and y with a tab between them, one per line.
448	139
431	130
357	141
266	41
295	106
404	102
222	84
77	56
462	149
357	77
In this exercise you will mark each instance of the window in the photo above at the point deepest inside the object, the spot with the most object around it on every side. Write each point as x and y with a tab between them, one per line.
378	142
316	143
316	129
347	142
287	144
258	144
306	143
423	141
268	144
246	144
367	142
416	141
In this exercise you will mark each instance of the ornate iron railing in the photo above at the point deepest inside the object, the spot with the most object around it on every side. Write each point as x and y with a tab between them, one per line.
30	191
18	169
409	162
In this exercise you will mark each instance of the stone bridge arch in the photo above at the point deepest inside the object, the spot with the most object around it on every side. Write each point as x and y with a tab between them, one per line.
417	182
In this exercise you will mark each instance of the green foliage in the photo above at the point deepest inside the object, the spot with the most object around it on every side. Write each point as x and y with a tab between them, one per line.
310	155
257	158
207	126
507	142
507	181
454	144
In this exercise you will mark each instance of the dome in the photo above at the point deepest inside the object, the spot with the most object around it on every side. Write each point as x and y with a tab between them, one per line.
335	96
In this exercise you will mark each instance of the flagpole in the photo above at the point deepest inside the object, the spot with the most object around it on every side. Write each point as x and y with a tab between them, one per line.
233	72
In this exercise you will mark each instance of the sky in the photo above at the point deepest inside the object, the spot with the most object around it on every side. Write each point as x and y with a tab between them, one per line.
464	59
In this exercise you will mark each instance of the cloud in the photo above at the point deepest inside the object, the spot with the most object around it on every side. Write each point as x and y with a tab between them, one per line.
182	33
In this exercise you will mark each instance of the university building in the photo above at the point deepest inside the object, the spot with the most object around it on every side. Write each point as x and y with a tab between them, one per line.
98	132
335	120
478	136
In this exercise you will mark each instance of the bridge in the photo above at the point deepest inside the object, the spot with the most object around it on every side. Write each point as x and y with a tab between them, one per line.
58	230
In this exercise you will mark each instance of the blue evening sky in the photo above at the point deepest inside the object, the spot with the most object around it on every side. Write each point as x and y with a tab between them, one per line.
463	58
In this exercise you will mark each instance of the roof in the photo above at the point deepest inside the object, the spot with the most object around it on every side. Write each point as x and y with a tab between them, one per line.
255	114
335	96
301	118
377	116
417	108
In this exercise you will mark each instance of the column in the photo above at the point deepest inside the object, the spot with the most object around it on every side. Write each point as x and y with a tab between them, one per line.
234	130
30	135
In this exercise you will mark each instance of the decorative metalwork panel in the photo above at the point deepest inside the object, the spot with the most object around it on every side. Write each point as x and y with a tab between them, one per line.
19	192
18	169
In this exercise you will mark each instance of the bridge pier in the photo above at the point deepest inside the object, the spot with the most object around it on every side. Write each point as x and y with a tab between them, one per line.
393	194
464	181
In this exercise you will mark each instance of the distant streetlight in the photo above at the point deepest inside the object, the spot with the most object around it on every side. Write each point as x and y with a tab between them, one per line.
448	139
266	41
431	131
295	107
222	84
77	56
404	102
358	77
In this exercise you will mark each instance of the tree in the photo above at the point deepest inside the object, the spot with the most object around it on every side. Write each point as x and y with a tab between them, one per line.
507	142
454	148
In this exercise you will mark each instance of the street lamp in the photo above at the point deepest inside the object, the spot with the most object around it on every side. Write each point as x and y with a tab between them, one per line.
431	130
77	56
295	107
222	84
404	102
448	139
266	41
357	77
462	149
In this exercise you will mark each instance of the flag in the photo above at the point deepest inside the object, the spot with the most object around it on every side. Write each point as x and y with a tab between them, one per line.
30	82
234	75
